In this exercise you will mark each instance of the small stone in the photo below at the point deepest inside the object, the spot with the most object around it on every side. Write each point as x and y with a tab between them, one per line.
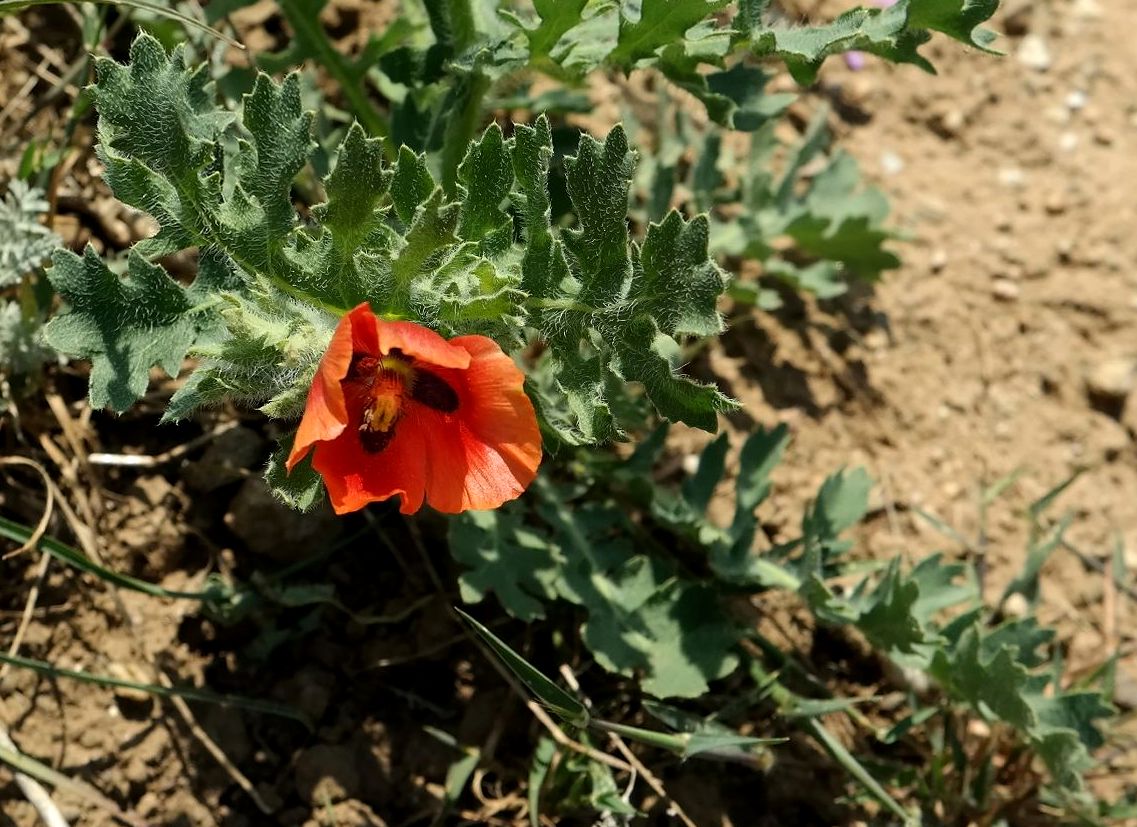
876	339
1033	53
310	690
1012	177
1103	137
1055	203
1016	606
1005	290
938	261
891	163
1086	9
1109	383
947	124
1076	100
978	729
1113	378
690	464
1068	141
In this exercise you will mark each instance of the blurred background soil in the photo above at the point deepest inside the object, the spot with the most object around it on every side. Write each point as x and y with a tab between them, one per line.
1004	344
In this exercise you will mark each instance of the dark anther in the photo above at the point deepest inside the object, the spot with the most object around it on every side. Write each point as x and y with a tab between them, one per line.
434	392
362	366
375	441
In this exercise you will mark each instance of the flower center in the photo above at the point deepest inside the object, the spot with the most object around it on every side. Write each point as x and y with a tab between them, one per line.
387	383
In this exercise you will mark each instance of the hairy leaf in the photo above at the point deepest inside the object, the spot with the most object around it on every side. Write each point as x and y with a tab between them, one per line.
894	33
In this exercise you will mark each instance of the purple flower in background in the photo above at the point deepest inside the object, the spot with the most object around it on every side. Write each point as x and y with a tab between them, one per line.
856	60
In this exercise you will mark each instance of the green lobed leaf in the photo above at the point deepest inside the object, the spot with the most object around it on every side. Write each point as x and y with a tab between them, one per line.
660	23
124	326
894	33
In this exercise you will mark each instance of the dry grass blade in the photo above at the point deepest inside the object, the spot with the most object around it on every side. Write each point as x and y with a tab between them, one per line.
153	461
41	772
33	791
49	506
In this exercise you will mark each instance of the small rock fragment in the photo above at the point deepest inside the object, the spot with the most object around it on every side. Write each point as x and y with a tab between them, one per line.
891	163
1076	100
938	261
1055	203
1005	290
1016	606
1033	53
1012	177
1109	383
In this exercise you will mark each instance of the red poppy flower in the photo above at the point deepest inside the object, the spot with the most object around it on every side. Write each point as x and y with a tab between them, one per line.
397	409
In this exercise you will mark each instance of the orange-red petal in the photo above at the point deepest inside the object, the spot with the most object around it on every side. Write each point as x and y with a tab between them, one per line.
325	412
478	456
487	452
420	343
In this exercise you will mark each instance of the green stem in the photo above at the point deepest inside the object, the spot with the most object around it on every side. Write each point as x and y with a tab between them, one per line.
308	29
469	93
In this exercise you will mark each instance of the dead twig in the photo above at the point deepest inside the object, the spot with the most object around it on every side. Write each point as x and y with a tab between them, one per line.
153	461
48	509
673	808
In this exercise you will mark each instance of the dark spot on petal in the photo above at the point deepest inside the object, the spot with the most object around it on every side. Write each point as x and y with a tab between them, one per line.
375	441
362	366
433	392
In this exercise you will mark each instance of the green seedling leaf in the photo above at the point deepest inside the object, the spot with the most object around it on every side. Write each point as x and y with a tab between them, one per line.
856	769
457	776
539	771
548	693
187	692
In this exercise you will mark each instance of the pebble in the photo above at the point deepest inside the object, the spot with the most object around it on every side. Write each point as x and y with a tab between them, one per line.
1033	53
1016	606
1076	100
938	261
891	163
1068	141
1086	9
1055	203
1112	380
1005	290
1011	177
